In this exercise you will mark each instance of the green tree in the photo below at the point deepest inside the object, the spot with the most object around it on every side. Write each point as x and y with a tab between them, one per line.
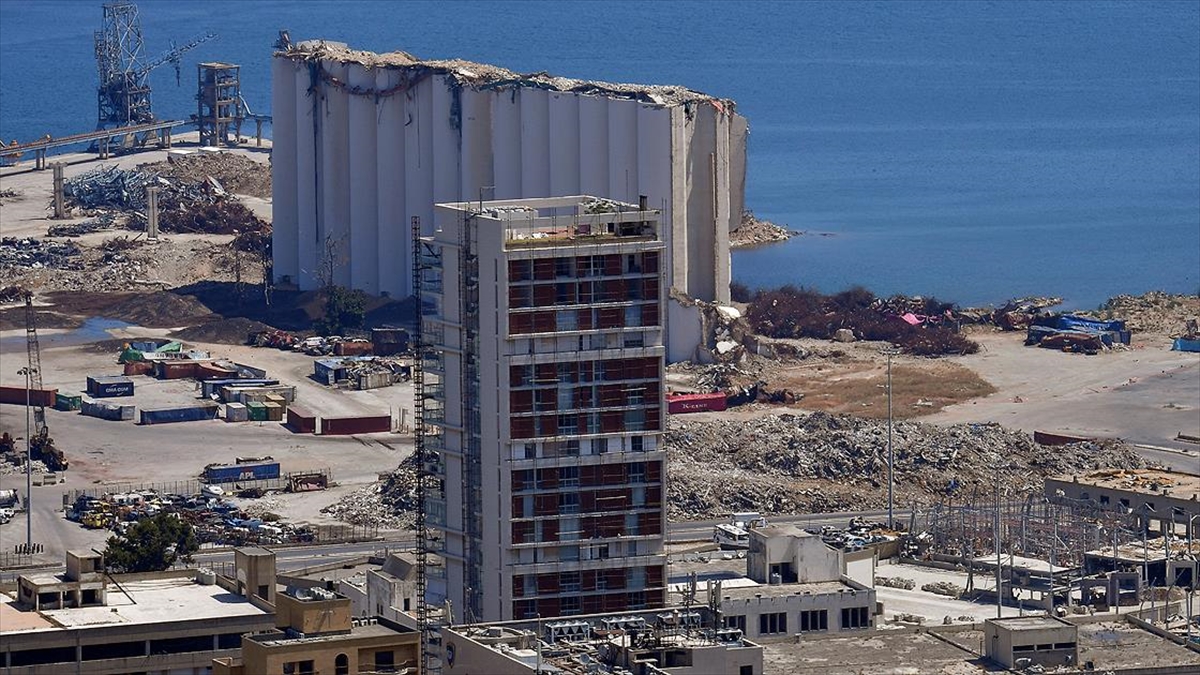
152	545
344	310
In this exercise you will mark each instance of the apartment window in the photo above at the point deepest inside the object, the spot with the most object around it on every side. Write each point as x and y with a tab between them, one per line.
636	396
635	419
569	449
299	668
637	444
564	294
633	316
568	582
637	600
568	502
568	553
569	605
341	665
596	552
855	617
772	624
637	470
568	424
567	320
639	496
814	620
562	267
520	296
568	476
737	621
631	524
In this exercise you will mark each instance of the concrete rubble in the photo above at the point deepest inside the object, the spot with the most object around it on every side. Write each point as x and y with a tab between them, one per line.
389	503
896	582
797	463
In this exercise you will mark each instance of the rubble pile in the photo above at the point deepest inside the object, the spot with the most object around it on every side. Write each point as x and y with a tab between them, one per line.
37	254
11	294
388	504
819	462
185	204
1153	312
16	465
946	588
236	173
754	231
9	195
896	582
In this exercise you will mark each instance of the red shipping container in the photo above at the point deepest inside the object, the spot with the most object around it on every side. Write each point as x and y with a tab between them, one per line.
208	371
175	370
686	403
341	426
352	348
301	420
138	368
16	396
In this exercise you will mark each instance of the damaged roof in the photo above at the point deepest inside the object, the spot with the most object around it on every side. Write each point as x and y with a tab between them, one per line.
486	76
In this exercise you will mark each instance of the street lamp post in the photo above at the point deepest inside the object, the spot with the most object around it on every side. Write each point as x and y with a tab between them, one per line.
28	373
889	352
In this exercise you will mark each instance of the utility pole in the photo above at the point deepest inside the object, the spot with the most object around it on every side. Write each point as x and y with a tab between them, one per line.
999	578
28	373
889	352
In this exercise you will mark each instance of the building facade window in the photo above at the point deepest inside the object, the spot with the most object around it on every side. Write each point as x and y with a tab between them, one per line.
737	621
772	624
855	617
341	665
814	620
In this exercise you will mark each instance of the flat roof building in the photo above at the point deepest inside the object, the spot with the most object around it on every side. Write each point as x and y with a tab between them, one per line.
1166	501
543	401
1021	642
160	622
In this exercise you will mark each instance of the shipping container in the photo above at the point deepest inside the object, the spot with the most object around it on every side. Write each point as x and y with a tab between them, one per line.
331	426
389	341
236	412
301	420
274	411
109	386
211	371
138	368
175	369
210	387
281	392
67	402
16	396
257	411
229	473
688	403
374	380
107	411
200	411
1055	438
352	348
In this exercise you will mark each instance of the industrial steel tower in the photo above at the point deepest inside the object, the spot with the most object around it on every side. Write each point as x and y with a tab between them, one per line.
123	95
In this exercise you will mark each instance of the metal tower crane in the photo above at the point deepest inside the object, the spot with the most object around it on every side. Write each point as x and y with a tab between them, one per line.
123	97
40	444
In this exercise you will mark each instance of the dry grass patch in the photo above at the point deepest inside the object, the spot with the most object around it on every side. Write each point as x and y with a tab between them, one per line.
860	387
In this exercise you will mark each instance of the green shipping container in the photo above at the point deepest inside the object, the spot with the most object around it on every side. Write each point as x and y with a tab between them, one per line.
258	411
66	402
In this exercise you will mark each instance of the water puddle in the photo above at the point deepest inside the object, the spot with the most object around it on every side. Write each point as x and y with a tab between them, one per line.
94	329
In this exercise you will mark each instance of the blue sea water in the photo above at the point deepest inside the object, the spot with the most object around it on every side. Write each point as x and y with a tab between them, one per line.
971	150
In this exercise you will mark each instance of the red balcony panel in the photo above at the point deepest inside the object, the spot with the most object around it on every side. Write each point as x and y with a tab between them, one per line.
520	401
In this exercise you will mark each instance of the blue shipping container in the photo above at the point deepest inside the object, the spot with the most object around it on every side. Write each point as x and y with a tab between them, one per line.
229	473
103	387
211	387
204	411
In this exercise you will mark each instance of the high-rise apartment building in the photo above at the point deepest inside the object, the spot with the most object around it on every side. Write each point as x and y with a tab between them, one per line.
543	397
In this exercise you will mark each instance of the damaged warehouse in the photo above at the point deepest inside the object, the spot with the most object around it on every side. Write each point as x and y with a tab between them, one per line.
382	137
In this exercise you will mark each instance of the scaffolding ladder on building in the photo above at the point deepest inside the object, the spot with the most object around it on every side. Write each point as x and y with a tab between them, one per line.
426	625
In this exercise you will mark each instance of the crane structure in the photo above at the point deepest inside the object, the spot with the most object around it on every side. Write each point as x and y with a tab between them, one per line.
123	95
41	446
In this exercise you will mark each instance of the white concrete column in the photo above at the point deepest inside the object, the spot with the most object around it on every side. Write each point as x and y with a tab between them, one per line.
564	144
418	156
677	263
307	135
506	142
476	144
721	189
447	151
395	251
593	145
284	109
535	142
622	150
334	224
363	186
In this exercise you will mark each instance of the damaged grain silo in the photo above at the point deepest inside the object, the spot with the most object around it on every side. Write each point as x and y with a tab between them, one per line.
364	141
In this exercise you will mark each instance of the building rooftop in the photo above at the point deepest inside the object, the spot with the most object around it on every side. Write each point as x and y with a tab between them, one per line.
154	601
1109	645
471	74
557	221
1151	550
1142	481
879	651
375	628
1018	623
747	592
